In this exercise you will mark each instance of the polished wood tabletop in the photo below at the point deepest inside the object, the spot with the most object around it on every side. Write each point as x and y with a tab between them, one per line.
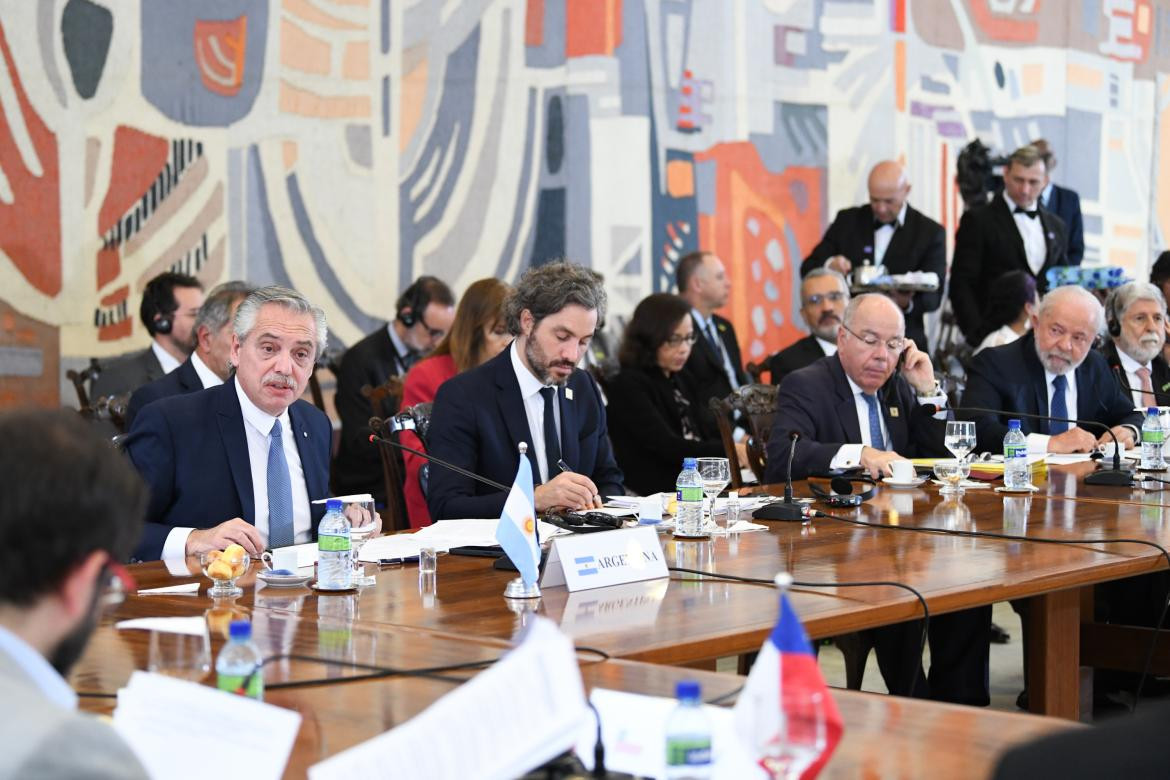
884	736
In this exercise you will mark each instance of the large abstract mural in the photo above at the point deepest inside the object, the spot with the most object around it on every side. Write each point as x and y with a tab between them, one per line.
345	146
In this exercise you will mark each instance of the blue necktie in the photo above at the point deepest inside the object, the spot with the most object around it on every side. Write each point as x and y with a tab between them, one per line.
876	440
1059	405
280	516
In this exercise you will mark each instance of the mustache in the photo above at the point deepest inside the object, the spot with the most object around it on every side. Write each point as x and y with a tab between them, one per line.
277	379
828	316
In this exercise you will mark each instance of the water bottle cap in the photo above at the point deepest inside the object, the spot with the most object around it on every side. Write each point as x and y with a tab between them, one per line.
690	463
333	505
686	689
1013	425
1152	410
240	629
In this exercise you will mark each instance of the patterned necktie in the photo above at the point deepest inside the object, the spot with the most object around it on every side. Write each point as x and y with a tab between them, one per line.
552	442
280	519
876	440
1059	405
1148	398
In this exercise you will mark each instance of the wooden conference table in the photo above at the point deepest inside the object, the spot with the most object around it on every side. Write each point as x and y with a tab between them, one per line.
692	619
884	736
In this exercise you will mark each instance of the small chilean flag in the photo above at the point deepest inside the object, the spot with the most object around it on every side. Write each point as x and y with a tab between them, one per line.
516	531
785	672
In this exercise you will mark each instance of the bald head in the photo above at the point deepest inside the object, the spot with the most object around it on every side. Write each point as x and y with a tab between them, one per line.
888	188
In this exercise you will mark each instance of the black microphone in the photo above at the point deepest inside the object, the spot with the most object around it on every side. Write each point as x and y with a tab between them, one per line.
1115	476
457	469
793	436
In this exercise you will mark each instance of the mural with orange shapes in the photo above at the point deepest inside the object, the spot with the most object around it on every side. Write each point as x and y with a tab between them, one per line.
219	50
1015	21
764	223
30	222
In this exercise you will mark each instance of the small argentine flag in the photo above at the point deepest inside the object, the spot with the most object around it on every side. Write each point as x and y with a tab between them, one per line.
516	531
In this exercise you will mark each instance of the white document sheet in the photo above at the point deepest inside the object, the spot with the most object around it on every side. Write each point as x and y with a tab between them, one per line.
514	716
442	536
194	626
175	727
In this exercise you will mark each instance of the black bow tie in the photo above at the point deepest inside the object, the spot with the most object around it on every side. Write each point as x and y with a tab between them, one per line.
878	225
1031	214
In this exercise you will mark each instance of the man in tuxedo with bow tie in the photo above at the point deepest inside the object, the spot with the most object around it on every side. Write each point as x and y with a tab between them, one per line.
887	231
1011	232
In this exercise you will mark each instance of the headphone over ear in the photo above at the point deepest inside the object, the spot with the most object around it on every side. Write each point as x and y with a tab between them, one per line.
1112	317
164	318
163	324
842	492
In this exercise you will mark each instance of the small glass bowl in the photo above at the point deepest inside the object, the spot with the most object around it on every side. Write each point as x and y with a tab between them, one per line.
223	569
951	472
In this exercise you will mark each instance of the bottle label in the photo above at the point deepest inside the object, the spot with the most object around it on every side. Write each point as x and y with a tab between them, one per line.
693	751
689	493
1153	437
1011	451
333	543
234	683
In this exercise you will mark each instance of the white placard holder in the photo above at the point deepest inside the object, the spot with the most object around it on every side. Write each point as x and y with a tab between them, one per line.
596	560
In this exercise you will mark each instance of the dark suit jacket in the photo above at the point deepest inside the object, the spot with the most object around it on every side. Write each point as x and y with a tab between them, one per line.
646	429
183	379
1134	748
818	402
1159	375
371	361
918	245
193	453
794	357
1011	377
126	374
987	245
704	371
1066	204
477	422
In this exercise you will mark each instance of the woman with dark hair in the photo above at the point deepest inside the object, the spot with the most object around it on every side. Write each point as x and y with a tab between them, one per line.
653	414
478	334
1007	315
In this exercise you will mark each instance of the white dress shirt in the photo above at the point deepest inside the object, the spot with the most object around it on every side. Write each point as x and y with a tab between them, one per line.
1130	367
828	347
165	359
37	668
883	235
1032	233
207	377
530	388
257	425
1038	442
849	456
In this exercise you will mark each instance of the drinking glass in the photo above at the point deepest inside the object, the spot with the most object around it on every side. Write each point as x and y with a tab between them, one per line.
361	516
716	475
186	656
951	473
960	438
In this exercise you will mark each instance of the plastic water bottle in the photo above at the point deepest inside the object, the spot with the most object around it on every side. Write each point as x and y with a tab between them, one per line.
240	664
688	519
1152	439
688	736
1015	458
731	517
334	565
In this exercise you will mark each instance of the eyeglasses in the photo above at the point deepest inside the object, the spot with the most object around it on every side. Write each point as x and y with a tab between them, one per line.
678	341
817	298
115	582
434	333
895	345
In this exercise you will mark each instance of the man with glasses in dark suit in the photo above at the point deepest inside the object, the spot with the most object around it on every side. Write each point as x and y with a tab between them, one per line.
823	297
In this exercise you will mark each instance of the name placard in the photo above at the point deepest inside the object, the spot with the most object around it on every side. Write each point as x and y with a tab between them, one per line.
615	557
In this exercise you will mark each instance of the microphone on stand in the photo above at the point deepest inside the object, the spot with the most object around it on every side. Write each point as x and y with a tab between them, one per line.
1116	476
788	509
793	436
374	438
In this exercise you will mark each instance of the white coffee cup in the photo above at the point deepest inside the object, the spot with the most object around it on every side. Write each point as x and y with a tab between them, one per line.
903	471
281	558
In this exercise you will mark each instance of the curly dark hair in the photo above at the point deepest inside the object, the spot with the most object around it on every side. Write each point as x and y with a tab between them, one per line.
654	321
546	289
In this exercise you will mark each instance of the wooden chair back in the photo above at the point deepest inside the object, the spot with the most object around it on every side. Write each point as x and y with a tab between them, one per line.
757	370
330	359
81	379
755	407
385	398
112	408
393	475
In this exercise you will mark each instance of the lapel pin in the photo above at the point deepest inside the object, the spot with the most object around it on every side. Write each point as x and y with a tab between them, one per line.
305	434
893	411
568	394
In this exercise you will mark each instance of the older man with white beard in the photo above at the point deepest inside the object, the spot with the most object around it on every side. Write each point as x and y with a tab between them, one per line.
1135	316
1052	371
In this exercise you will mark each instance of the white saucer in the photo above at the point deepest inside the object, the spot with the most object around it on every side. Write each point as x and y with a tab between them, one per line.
897	483
283	580
319	589
1017	491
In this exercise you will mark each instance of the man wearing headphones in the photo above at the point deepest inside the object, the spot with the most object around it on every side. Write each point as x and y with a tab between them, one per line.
1135	317
424	314
170	304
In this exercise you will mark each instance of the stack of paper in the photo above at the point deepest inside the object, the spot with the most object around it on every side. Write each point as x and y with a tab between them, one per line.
170	723
441	536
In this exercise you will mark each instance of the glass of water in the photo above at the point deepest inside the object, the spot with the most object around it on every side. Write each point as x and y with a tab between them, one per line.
960	438
186	656
716	475
361	515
